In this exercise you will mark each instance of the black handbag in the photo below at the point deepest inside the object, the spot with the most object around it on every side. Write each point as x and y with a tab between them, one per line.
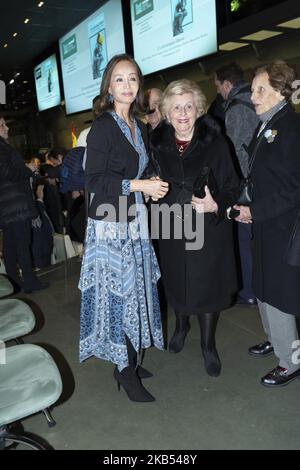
152	169
293	248
246	192
206	178
246	186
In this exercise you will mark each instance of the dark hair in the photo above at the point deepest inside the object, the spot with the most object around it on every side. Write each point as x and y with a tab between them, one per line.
147	95
57	151
96	99
281	77
96	103
104	103
231	72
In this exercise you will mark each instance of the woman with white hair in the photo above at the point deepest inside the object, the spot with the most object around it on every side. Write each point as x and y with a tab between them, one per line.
275	176
204	281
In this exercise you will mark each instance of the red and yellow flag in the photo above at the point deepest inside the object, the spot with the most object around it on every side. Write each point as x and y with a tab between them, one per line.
73	136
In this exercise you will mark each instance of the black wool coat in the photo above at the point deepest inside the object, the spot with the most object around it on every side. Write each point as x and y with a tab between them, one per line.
202	280
16	197
276	203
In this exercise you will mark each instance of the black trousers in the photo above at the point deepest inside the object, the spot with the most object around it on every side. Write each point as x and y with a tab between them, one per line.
17	252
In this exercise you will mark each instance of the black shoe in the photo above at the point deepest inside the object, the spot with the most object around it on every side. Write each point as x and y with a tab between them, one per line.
241	302
132	385
132	359
279	377
212	362
177	341
38	285
261	350
143	373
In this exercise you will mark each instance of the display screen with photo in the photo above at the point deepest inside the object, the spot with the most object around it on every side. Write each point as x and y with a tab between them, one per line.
85	51
47	84
171	32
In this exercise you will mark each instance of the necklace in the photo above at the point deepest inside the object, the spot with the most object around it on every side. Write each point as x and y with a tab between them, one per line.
182	145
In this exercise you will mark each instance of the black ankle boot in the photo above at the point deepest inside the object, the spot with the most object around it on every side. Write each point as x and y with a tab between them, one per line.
143	373
208	324
181	330
132	360
132	385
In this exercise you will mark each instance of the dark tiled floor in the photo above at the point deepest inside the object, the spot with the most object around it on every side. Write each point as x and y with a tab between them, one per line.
192	411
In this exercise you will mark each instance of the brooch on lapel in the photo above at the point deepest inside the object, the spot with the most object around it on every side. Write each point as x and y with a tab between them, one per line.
270	135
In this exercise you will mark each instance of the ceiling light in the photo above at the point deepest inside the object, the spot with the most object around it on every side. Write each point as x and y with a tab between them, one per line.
17	74
294	24
230	46
15	34
262	35
40	4
25	81
5	45
12	81
26	20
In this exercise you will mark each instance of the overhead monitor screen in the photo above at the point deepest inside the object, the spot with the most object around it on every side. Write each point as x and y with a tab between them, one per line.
170	32
47	84
85	51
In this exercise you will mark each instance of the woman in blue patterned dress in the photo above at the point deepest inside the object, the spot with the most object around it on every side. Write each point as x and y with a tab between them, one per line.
120	312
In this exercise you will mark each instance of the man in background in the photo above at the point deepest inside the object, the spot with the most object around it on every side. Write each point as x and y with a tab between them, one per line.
153	118
152	101
81	141
240	124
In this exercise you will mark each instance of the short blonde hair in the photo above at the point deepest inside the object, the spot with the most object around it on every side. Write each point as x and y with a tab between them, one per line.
180	87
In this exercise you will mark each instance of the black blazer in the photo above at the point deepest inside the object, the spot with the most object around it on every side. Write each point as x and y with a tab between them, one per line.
110	160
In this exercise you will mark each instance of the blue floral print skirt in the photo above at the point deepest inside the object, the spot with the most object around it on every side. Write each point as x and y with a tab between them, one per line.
119	298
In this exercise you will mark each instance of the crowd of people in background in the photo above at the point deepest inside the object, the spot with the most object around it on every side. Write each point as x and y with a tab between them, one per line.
152	149
33	208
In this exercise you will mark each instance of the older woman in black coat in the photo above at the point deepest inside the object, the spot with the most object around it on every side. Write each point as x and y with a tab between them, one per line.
275	161
199	281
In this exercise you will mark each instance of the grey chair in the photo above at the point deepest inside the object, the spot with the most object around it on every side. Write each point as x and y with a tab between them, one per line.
6	288
16	320
30	382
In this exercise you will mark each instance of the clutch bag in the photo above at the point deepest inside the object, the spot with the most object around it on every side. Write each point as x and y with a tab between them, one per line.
246	193
206	178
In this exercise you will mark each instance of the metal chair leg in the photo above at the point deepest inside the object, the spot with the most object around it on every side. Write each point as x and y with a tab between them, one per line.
19	341
51	422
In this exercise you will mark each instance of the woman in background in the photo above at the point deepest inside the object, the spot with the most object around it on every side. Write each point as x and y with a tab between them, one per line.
275	174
